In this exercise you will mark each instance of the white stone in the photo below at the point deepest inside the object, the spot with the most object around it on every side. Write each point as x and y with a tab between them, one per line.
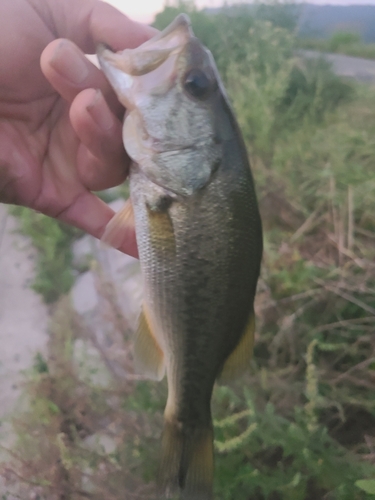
83	250
84	295
91	367
100	443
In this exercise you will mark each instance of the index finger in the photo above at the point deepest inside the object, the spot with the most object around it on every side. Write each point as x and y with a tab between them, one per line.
89	22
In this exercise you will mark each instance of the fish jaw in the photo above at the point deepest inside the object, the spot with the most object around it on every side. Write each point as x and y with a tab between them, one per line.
167	132
123	68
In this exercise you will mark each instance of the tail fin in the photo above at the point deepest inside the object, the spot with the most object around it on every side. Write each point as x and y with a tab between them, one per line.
187	462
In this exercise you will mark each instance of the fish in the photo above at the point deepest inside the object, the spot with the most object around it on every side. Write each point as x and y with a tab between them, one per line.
199	236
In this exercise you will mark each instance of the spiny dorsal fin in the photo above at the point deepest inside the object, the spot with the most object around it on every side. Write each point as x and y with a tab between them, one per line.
119	227
148	355
239	359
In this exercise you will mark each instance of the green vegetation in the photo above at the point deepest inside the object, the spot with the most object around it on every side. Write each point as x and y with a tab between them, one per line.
341	42
52	240
301	425
76	440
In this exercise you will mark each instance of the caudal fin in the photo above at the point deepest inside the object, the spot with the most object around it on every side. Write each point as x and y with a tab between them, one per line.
187	462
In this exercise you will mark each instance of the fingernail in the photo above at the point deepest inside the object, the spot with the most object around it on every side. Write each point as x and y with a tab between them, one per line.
100	113
69	63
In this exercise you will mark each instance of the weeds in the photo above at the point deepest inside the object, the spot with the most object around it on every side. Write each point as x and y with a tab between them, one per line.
341	42
76	440
52	239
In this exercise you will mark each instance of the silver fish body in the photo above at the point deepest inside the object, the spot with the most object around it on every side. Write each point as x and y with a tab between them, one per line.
199	237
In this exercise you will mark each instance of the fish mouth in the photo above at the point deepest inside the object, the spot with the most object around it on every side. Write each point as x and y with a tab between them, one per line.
127	71
158	147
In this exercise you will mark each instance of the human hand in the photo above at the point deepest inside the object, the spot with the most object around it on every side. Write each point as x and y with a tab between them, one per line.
60	128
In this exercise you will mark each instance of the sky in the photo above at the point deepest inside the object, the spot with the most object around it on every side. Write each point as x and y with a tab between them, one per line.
145	10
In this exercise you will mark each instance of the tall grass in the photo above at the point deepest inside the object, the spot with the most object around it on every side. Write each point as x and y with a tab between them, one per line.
52	240
341	42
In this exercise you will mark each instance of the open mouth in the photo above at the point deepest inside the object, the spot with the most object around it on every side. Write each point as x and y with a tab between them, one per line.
148	67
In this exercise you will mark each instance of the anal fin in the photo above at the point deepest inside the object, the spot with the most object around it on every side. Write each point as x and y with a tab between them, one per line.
239	359
119	227
148	355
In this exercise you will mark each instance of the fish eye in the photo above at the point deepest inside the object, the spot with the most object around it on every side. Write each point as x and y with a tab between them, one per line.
197	83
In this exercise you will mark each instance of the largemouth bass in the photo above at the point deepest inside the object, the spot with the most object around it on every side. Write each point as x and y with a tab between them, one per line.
199	237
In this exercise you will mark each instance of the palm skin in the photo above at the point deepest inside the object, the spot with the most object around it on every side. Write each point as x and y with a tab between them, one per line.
60	129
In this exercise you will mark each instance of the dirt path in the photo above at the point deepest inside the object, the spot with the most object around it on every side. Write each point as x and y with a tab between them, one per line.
23	317
362	70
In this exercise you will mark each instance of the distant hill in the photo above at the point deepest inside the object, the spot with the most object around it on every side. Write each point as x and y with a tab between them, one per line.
321	21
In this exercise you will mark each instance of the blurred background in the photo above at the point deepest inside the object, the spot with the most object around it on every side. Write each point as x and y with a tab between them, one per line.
301	424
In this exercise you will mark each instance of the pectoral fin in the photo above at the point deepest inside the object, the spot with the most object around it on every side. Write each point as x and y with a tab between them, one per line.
119	227
148	355
238	361
161	229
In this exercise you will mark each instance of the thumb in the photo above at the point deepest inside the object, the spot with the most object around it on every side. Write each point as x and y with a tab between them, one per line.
89	22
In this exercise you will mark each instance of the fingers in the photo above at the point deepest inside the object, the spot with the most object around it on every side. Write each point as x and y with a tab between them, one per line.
69	72
91	22
86	24
92	215
8	184
97	175
102	161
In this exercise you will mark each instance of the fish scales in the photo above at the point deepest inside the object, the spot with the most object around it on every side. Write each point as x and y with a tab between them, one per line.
203	288
199	237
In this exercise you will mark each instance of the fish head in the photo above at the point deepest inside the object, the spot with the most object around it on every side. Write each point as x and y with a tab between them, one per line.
175	101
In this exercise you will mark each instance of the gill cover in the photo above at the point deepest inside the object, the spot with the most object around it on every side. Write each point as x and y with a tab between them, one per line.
168	86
